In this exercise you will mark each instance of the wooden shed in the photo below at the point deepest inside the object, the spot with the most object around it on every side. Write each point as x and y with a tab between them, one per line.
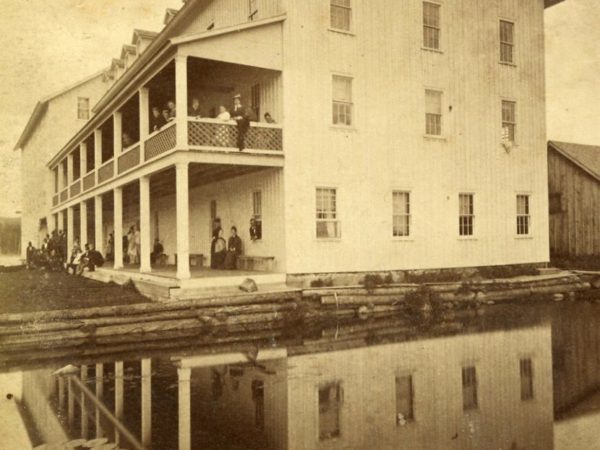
574	190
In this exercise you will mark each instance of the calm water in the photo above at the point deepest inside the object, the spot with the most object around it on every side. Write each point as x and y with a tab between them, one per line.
503	377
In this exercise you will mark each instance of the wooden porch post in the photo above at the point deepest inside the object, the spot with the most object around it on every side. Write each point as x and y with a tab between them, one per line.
145	224
118	394
144	96
118	134
70	169
98	223
185	430
118	224
181	100
83	237
82	160
146	402
99	395
70	231
183	220
61	177
97	151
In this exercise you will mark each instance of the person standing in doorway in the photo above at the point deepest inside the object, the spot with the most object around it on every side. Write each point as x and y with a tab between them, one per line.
242	119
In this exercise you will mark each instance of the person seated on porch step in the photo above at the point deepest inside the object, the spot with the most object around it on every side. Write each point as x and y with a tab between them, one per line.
194	109
157	252
127	140
242	117
219	250
172	109
234	249
91	259
269	118
157	121
75	259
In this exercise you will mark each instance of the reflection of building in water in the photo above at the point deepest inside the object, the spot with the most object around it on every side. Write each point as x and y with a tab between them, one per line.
483	391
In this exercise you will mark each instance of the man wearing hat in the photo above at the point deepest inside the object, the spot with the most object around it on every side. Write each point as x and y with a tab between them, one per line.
242	118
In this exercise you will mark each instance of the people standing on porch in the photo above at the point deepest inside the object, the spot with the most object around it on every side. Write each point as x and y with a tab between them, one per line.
127	140
131	253
110	248
157	121
137	239
165	115
158	251
172	109
194	108
125	247
242	118
218	250
234	249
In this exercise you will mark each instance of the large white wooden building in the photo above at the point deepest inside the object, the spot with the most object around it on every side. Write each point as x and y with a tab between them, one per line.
409	135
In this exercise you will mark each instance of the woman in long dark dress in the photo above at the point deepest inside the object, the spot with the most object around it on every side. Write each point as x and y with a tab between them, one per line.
218	250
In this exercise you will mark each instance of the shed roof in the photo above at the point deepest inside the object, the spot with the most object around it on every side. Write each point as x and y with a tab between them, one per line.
586	157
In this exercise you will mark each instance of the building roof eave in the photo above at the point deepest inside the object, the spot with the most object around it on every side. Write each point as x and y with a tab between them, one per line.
556	146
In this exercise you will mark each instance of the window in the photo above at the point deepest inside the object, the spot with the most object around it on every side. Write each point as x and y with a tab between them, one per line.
526	369
404	399
509	121
258	396
469	385
523	217
83	108
401	213
253	9
466	216
255	101
328	225
330	403
256	232
341	14
431	25
433	112
507	41
342	100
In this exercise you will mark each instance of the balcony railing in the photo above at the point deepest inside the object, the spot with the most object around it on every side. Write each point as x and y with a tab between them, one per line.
75	188
89	181
64	195
218	133
55	200
106	171
129	159
160	141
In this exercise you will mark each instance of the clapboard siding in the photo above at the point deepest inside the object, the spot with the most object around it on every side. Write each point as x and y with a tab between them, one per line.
575	230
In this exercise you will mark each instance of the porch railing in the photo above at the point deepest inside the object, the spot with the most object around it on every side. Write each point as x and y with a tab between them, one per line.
55	200
129	159
89	180
160	141
106	171
75	188
64	195
224	134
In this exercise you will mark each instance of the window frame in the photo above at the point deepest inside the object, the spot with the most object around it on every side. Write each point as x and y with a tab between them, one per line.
336	5
509	44
439	116
407	213
526	215
83	113
428	27
506	137
347	104
336	219
470	215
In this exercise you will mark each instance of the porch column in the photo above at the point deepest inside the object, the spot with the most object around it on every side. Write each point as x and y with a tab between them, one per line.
99	395
118	133
82	161
145	224
83	237
181	100
144	95
146	402
98	221
118	224
60	220
69	169
97	151
84	414
118	394
70	231
183	220
61	177
185	430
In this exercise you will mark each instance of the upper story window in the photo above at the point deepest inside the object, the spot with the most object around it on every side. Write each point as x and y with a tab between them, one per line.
523	216
328	225
83	108
431	25
433	112
466	214
253	9
401	214
509	120
507	42
341	14
342	100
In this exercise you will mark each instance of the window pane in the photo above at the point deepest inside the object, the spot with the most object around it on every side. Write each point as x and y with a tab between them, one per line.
341	13
431	14
433	101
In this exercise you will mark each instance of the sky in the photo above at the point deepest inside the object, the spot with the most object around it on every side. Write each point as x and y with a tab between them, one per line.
49	44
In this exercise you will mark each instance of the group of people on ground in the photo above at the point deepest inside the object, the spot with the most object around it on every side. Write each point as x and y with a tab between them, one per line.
223	255
240	114
81	259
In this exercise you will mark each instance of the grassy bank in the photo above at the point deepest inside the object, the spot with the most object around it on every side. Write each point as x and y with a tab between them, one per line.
34	290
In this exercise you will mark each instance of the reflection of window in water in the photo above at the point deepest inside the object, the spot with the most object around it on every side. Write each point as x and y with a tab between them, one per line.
526	369
258	395
469	382
217	385
404	399
330	403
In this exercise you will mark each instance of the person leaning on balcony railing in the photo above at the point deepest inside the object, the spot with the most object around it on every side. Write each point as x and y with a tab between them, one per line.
269	118
242	117
157	121
127	140
194	108
172	110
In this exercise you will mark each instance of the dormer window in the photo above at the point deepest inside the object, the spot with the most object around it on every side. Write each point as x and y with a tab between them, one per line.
83	108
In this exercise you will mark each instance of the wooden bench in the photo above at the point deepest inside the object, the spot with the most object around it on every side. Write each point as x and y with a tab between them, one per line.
256	263
196	259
